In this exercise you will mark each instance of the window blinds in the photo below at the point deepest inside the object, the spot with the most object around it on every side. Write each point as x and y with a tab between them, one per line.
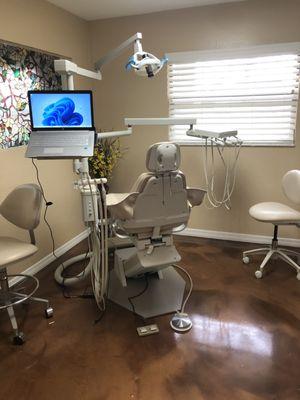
257	95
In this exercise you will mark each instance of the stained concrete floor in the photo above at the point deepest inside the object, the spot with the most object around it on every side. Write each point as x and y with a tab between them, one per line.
244	345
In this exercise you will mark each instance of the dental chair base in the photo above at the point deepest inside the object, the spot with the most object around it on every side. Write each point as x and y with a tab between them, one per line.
147	266
163	295
147	257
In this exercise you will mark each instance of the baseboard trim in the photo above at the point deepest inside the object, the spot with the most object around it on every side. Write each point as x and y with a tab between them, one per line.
192	232
237	237
45	261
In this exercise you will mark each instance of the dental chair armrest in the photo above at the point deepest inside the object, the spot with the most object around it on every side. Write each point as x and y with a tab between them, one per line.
120	205
195	196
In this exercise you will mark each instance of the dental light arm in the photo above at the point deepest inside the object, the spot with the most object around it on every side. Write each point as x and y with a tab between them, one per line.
67	67
113	54
144	64
108	135
160	121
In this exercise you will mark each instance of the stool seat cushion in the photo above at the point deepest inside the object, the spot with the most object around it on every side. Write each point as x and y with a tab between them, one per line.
12	250
275	213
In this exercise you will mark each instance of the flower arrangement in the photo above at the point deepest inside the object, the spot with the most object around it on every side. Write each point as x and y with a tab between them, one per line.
107	153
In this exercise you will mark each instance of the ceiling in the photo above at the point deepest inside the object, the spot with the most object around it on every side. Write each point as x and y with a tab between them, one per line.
100	9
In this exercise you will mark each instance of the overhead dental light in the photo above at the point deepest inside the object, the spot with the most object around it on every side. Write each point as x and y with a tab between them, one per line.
143	63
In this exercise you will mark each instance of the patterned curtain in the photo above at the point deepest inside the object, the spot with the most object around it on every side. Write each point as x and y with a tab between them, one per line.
21	70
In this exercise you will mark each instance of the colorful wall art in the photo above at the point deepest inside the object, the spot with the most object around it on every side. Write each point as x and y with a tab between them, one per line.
21	70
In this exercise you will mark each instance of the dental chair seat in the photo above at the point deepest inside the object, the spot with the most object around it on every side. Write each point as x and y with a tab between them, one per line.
12	250
136	217
276	213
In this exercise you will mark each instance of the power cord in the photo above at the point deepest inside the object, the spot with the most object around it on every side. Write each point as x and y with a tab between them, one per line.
181	322
190	288
47	205
139	294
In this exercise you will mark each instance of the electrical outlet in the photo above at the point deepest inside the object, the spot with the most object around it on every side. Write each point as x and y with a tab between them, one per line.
147	330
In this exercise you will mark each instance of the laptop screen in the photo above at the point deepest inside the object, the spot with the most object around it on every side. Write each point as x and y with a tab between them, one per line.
61	110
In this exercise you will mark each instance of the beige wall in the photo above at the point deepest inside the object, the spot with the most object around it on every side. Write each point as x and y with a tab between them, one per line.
123	94
40	25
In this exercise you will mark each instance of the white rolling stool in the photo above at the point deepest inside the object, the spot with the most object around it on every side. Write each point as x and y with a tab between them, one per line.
278	214
22	207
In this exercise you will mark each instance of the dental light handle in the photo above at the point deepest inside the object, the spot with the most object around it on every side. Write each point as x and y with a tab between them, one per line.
138	44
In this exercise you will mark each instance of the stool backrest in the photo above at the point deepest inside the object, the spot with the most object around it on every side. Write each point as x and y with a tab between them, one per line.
22	206
291	185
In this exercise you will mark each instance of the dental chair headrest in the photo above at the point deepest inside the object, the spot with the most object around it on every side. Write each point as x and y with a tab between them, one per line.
163	157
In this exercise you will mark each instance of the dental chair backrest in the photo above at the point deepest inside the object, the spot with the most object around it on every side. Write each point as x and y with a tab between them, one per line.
159	200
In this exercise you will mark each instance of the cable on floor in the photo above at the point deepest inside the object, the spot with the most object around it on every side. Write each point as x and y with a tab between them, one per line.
139	294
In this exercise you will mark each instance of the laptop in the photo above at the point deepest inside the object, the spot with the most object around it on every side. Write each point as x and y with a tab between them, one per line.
62	124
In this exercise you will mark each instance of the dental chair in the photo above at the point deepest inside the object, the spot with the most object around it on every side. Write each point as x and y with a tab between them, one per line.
278	214
22	207
158	205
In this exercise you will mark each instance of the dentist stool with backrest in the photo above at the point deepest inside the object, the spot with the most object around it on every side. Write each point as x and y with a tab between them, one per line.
278	214
22	207
158	205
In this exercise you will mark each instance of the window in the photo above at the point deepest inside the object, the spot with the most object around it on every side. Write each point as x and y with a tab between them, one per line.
253	90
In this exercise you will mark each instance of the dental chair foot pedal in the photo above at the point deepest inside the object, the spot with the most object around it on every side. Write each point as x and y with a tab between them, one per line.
181	322
147	330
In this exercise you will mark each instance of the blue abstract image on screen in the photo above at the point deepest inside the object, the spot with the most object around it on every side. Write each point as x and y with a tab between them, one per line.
62	113
61	110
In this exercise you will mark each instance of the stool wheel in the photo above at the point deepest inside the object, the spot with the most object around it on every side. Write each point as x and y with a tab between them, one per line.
246	260
49	312
258	274
19	339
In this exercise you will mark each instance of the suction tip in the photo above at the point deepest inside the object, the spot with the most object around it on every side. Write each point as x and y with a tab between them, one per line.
181	322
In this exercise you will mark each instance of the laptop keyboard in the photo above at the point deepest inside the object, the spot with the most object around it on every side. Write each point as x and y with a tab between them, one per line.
44	140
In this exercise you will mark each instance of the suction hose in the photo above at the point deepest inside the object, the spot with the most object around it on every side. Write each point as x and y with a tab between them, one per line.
81	276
